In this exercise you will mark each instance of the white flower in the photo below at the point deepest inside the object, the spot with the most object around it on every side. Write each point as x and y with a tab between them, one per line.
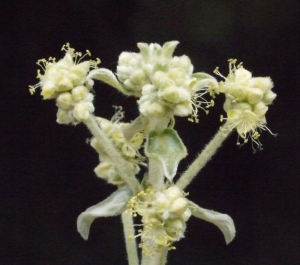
246	101
165	84
63	75
67	82
164	216
128	149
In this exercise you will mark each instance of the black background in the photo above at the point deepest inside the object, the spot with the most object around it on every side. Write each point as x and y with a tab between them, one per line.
46	169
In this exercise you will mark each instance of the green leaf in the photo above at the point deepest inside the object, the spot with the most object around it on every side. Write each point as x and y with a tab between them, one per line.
223	221
105	76
168	148
202	80
129	130
114	205
169	47
202	75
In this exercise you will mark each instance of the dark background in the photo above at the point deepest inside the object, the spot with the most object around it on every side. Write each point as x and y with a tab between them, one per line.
46	169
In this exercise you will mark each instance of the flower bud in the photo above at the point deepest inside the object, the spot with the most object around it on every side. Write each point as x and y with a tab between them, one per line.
177	75
48	90
63	116
254	95
81	69
64	84
173	193
82	110
64	100
179	206
265	84
102	170
156	109
260	109
269	97
183	109
138	77
241	74
171	94
186	215
79	93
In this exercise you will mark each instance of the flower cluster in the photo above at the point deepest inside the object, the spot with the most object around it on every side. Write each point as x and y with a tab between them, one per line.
165	84
66	82
129	150
164	216
246	101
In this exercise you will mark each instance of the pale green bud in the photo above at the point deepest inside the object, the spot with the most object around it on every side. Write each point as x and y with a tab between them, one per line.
265	84
243	106
63	116
241	74
183	62
64	101
179	206
156	110
48	90
125	58
138	77
183	109
161	80
173	193
260	109
81	69
177	75
238	91
64	84
269	97
82	110
186	215
254	95
79	93
171	94
147	89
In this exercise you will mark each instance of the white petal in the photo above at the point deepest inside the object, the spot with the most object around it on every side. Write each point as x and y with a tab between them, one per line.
114	205
223	221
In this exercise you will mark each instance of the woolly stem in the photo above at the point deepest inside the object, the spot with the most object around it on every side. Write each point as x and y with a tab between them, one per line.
113	154
159	258
201	160
130	242
156	173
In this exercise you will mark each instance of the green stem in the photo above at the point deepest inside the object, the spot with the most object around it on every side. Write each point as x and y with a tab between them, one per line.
130	242
160	258
156	173
113	154
207	153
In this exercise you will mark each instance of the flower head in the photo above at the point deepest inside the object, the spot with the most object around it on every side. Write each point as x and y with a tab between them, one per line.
246	101
128	148
164	214
164	83
66	82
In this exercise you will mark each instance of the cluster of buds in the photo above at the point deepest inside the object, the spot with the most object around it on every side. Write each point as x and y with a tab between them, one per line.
67	82
246	101
164	84
164	216
129	150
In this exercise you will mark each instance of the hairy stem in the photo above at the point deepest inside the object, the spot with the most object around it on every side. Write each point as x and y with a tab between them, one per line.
160	258
130	242
156	173
113	154
201	160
